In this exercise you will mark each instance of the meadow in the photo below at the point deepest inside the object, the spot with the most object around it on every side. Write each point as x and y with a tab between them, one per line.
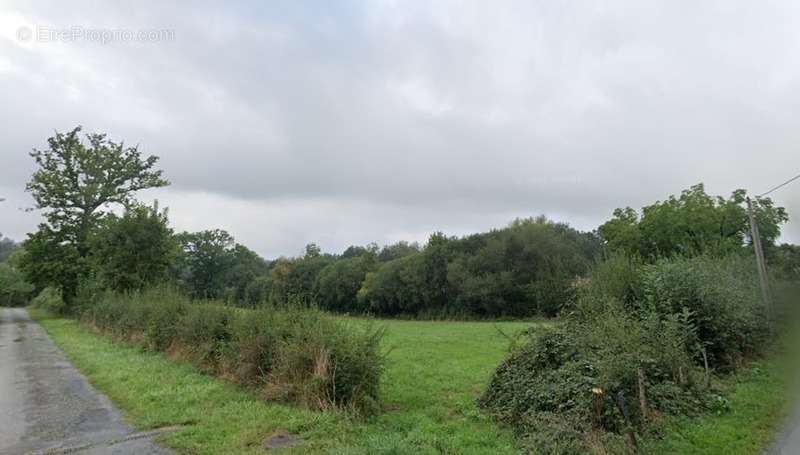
435	372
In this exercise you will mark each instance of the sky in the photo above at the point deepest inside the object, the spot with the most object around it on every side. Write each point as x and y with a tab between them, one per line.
339	123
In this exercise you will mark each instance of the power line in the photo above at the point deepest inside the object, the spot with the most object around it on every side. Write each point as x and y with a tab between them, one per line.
781	185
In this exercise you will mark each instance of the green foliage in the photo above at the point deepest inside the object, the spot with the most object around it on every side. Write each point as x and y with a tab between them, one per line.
50	260
245	277
722	298
303	275
690	224
73	182
397	287
618	276
279	278
398	250
134	250
522	270
7	247
214	266
667	322
50	299
206	257
14	290
258	290
787	259
338	283
290	353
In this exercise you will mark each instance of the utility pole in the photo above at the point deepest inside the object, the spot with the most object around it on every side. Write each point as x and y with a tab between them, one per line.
759	251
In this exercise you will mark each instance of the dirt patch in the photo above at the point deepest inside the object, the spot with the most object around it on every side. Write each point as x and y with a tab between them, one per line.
392	407
281	439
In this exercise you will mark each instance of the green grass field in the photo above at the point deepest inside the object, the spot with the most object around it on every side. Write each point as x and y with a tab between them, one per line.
435	373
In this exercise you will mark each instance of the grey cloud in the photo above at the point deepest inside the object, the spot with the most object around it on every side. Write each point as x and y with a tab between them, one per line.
444	115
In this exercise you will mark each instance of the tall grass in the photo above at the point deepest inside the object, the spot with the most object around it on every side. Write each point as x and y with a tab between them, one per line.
290	353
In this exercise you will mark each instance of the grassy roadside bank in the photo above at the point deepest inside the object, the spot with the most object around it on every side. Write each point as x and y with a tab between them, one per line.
756	402
435	372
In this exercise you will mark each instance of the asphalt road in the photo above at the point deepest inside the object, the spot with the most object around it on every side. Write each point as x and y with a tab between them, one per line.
47	406
788	442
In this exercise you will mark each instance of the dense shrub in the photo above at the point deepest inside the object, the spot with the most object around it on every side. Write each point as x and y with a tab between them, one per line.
134	250
50	299
14	290
786	261
7	247
653	348
291	353
722	298
257	291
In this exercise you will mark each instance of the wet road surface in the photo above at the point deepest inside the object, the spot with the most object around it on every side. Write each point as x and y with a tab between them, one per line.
47	406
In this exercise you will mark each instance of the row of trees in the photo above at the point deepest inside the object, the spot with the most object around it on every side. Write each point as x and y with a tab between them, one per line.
83	245
525	268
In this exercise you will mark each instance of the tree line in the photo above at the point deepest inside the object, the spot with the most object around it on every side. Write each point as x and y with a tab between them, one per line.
529	267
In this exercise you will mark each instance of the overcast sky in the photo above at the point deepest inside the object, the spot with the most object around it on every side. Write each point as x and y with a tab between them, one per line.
349	122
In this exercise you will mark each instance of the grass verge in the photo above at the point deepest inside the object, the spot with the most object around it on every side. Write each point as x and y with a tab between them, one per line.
758	401
435	372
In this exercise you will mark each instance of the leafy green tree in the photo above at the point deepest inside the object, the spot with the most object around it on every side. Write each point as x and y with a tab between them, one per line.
74	182
134	250
245	267
622	232
7	247
355	250
435	257
303	275
690	224
398	250
396	288
522	270
338	283
206	257
51	260
279	277
14	290
258	290
312	250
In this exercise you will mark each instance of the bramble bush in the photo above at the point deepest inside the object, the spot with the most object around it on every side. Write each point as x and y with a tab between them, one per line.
650	335
290	353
